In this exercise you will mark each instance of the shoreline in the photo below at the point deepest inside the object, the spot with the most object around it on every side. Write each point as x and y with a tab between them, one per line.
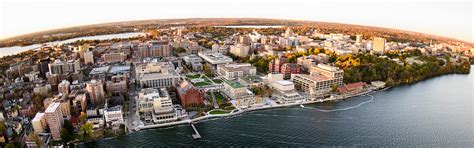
210	116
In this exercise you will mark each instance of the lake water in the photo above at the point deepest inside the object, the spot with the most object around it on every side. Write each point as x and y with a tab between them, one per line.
17	49
435	112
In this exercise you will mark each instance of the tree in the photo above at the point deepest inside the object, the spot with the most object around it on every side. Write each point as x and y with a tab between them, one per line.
86	131
35	137
83	117
334	87
66	136
207	70
68	126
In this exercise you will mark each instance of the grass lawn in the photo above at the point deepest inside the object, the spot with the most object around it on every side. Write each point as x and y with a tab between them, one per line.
193	76
218	81
214	112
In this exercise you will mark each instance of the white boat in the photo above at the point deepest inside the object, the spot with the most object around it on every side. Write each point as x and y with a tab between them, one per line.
301	105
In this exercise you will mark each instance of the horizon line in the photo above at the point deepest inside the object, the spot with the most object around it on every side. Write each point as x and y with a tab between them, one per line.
9	37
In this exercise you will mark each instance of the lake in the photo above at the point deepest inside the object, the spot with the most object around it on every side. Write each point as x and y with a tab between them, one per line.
4	51
433	113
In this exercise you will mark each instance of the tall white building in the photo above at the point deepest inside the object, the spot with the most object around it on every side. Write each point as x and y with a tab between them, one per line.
379	45
89	57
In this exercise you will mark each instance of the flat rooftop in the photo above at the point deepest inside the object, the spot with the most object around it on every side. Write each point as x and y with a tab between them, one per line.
315	78
52	107
234	84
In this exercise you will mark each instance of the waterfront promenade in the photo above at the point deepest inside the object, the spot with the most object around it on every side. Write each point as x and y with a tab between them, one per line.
210	116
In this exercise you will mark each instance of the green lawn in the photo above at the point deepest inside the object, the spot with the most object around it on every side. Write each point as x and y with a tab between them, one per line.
193	76
218	81
215	112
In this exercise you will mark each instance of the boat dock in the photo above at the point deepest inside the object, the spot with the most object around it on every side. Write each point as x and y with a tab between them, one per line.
196	135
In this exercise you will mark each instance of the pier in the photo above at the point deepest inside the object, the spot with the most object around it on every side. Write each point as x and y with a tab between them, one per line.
196	135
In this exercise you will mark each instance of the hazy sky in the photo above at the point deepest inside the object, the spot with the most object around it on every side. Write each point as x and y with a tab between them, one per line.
451	18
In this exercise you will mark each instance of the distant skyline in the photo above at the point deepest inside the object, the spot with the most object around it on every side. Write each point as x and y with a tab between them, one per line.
447	18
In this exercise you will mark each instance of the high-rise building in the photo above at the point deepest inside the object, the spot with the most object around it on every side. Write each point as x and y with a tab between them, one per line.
39	123
89	57
240	50
358	38
96	92
379	45
64	67
160	48
289	32
43	67
55	120
245	40
63	87
114	57
321	80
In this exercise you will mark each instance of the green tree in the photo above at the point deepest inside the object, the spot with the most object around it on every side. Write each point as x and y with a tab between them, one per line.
68	126
66	136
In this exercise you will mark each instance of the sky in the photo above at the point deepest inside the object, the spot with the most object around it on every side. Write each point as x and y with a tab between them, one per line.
450	18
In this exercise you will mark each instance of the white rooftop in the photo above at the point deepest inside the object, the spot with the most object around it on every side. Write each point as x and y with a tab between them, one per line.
52	107
38	117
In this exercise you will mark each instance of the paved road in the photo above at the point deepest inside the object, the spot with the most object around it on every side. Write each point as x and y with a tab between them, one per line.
216	105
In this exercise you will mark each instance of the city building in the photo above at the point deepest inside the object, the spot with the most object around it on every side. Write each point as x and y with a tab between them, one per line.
328	71
275	65
379	45
39	123
359	38
315	85
189	95
240	93
64	67
114	56
289	32
55	120
235	70
63	87
251	81
285	92
194	62
89	57
160	48
155	106
113	116
290	68
215	58
352	88
117	84
240	50
44	67
156	74
95	90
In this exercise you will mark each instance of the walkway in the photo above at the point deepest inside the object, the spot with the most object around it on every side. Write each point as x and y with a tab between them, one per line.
216	105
